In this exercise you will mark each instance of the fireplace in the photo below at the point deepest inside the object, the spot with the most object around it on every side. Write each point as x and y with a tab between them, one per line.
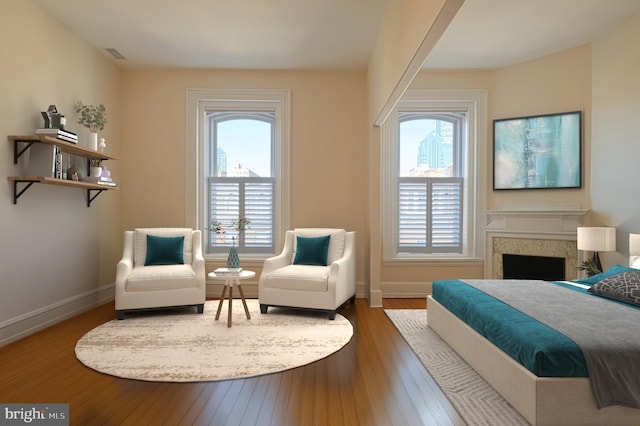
524	267
538	233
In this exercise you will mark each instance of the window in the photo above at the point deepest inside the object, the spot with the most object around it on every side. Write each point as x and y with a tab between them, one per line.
240	168
240	179
429	167
430	182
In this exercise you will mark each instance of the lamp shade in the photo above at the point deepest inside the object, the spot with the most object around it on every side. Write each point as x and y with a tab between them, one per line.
597	238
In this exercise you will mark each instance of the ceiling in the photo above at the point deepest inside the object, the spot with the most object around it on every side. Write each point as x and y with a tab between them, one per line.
325	34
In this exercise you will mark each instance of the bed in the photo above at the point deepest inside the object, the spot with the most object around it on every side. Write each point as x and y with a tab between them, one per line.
544	391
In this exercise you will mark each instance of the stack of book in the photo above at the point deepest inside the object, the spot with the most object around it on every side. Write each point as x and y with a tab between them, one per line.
228	272
61	134
101	180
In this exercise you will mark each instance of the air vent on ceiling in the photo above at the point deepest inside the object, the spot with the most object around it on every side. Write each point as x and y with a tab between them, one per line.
115	53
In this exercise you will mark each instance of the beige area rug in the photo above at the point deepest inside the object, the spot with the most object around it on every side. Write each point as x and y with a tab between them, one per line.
476	401
183	346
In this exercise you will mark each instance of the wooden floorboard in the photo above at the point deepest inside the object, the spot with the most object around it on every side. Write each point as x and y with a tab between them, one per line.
376	379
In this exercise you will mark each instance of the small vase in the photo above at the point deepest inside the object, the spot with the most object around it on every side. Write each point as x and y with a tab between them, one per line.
233	261
96	171
93	141
74	172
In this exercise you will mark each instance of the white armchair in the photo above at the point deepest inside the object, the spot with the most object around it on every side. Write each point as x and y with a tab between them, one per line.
160	267
308	275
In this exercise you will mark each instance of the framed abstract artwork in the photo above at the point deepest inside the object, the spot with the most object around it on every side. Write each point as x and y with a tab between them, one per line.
538	152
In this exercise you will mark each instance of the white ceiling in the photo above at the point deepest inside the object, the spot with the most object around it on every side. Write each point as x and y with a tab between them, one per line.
325	34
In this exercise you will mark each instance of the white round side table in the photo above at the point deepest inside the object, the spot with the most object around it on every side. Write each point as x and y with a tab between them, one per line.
229	281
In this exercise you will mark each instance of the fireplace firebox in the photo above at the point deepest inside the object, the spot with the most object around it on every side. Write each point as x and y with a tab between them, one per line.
516	266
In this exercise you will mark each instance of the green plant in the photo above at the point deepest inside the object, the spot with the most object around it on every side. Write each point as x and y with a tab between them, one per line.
589	267
90	116
238	225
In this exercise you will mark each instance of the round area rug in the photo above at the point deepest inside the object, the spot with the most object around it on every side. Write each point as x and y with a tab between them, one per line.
183	346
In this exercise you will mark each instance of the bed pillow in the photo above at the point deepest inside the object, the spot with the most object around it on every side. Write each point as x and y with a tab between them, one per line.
614	270
312	250
624	287
164	250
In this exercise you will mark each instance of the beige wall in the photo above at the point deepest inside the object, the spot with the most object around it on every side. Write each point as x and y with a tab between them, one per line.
615	147
55	253
328	146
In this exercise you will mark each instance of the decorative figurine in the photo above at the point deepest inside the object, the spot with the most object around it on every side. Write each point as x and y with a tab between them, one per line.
53	120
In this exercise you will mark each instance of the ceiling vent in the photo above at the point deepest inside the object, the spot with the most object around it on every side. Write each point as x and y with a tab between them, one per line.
115	53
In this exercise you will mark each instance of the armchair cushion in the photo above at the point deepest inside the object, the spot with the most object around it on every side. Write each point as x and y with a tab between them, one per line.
300	277
140	242
164	250
161	277
312	250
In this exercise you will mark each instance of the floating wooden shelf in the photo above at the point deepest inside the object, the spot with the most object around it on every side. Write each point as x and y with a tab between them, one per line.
93	189
68	147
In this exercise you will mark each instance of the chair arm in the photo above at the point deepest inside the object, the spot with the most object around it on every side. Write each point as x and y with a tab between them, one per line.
342	273
197	261
123	269
281	260
125	265
276	262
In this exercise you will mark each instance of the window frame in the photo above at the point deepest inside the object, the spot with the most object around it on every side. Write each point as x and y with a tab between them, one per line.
245	184
474	104
200	102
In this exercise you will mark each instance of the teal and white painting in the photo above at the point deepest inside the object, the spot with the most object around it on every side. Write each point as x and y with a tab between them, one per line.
538	152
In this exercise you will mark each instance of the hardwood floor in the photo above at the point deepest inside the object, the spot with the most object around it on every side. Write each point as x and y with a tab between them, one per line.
376	379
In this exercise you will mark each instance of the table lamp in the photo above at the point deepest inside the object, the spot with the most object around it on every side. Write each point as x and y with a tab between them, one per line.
596	239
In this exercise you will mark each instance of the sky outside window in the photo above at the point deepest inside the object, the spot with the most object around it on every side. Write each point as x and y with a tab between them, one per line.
246	142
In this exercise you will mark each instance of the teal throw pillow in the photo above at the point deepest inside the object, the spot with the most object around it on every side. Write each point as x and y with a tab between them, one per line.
164	250
312	251
614	270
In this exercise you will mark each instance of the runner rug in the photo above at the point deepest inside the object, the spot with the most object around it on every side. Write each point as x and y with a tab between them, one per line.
475	400
183	346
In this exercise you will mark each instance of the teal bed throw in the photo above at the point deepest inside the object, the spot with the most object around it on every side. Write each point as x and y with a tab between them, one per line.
539	348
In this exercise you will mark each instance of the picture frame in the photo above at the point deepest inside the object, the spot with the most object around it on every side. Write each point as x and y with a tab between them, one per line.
538	152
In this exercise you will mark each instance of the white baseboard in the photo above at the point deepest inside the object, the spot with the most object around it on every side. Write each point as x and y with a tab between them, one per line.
406	290
21	326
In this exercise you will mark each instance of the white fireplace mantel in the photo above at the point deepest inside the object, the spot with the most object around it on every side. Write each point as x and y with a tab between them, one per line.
547	225
535	221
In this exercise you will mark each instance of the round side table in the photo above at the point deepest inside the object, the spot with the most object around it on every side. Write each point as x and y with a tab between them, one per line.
229	282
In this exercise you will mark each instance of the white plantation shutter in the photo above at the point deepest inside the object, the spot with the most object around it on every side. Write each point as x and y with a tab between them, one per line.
232	198
258	207
445	214
412	214
430	215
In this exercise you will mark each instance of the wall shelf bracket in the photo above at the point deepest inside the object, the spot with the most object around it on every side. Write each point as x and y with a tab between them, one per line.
91	197
16	193
18	152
